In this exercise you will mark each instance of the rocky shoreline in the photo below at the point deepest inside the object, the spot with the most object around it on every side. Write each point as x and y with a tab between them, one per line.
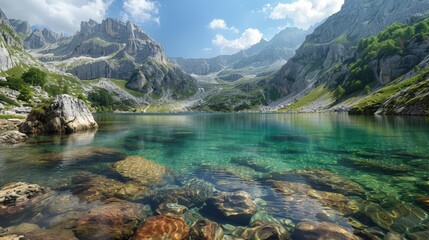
153	202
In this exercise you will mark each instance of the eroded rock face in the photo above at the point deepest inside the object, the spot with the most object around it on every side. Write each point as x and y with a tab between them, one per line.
321	230
141	170
113	220
12	137
20	196
233	206
65	114
163	227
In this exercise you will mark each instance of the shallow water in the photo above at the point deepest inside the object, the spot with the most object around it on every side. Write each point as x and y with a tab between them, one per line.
387	156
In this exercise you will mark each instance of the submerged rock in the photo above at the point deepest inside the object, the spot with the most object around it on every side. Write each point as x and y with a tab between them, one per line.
171	208
376	165
46	234
206	229
300	191
162	227
17	197
65	114
141	170
266	230
396	216
90	188
264	216
321	230
115	219
12	137
321	178
232	206
194	192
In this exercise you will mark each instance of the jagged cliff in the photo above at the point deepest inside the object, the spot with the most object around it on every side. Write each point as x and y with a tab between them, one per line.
113	49
321	56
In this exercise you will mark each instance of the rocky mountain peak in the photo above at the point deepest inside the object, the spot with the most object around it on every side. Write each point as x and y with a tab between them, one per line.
3	19
21	26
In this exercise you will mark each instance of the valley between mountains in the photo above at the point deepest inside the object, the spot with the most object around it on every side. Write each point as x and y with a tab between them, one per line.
371	61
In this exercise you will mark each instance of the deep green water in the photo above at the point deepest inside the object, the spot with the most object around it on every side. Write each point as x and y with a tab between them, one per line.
190	144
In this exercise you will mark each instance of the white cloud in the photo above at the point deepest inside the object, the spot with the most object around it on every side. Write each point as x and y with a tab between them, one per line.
140	10
221	24
305	13
59	15
249	37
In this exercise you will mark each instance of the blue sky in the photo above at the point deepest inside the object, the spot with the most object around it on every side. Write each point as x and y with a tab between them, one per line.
185	28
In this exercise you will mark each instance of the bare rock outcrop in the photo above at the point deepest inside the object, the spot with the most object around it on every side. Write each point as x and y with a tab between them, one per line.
65	114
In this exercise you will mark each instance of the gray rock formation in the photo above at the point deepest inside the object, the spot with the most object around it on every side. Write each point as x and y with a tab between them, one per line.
8	38
35	40
20	26
280	48
64	115
39	38
330	42
114	49
12	137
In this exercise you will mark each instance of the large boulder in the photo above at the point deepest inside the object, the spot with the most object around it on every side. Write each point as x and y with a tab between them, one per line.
65	114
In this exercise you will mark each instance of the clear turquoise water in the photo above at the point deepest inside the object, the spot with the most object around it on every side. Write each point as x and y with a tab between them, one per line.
190	143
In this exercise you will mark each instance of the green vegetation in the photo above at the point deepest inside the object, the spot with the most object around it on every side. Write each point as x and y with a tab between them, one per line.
9	116
370	104
312	96
105	102
339	92
395	39
35	77
7	100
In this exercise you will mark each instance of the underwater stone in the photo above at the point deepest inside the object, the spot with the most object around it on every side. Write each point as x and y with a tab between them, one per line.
171	208
114	219
194	192
321	230
234	206
206	229
17	197
393	236
324	178
89	187
162	227
141	170
266	230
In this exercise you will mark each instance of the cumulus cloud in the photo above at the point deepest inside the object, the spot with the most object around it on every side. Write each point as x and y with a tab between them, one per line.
59	15
249	37
305	13
221	24
140	10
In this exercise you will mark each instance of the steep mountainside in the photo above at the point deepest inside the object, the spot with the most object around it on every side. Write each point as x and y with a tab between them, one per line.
113	49
322	56
25	81
386	74
280	48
